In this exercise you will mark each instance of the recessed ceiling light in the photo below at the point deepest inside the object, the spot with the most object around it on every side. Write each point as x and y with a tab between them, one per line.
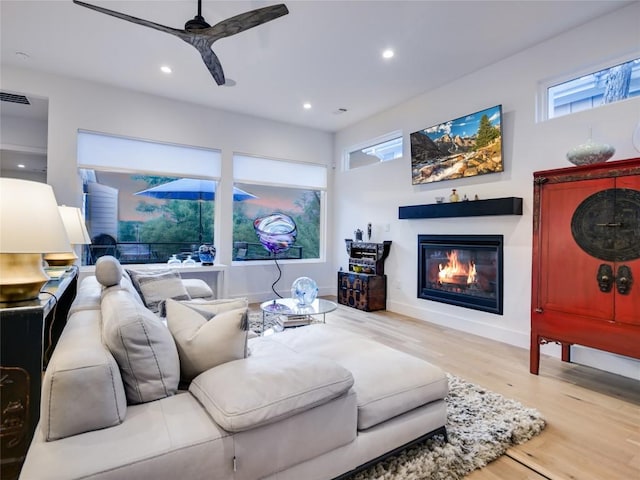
388	53
165	69
21	165
306	105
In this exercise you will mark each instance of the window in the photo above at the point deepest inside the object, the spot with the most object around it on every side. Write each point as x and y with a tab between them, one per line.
381	149
146	201
278	186
595	89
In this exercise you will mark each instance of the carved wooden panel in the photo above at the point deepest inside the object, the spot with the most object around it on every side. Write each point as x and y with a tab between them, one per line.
362	291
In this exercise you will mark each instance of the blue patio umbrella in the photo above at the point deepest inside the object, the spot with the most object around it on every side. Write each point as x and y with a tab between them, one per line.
192	189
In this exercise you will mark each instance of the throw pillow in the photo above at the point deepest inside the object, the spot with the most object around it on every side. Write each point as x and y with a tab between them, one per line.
197	288
217	306
142	346
205	339
155	287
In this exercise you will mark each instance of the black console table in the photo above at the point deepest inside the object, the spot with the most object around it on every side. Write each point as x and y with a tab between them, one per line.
28	334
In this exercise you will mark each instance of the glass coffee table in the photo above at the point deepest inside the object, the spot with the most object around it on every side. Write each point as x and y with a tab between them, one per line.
285	313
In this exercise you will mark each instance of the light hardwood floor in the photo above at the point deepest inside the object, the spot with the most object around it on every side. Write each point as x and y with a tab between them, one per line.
593	417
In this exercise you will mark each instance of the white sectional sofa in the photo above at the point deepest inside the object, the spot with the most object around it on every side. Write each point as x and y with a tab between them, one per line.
314	402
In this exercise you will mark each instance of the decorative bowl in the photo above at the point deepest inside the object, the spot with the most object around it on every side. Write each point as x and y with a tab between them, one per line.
590	153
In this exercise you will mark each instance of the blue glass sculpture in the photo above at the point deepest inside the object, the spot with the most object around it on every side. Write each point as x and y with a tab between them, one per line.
304	290
276	232
207	254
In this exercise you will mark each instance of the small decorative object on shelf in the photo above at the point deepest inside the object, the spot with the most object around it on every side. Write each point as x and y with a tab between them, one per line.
207	254
590	152
454	197
439	199
304	290
189	262
358	233
369	232
174	261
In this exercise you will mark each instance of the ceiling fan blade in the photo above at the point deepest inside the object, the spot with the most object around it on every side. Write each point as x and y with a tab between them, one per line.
245	21
203	38
140	21
213	64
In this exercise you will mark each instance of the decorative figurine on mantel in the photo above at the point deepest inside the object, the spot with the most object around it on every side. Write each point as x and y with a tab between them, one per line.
454	197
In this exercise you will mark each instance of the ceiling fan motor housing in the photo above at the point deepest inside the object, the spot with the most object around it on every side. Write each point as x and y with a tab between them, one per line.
197	23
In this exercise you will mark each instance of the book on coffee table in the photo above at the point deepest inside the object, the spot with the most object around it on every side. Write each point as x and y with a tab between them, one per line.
294	320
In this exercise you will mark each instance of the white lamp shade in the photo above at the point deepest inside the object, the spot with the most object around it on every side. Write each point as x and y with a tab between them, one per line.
30	221
74	225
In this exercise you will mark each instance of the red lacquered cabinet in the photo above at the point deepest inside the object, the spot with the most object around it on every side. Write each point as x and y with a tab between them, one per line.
586	259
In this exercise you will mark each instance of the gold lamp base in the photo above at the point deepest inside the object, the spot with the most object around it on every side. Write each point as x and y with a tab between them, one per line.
21	276
61	259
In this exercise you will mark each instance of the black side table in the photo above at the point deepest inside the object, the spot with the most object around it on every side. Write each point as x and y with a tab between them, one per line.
28	334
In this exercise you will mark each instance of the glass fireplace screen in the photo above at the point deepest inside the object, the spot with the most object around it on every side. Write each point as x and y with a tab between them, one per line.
462	270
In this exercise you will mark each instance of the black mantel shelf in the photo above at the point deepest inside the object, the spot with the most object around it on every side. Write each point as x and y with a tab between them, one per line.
471	208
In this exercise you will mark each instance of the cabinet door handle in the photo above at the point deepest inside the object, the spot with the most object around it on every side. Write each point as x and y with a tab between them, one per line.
605	277
624	280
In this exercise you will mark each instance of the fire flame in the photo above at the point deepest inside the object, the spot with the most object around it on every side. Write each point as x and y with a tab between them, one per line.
456	269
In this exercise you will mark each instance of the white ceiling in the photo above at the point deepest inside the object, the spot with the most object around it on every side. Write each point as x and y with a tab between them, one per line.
325	52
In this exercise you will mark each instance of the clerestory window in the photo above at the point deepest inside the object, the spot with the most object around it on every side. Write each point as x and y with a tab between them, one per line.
605	86
381	149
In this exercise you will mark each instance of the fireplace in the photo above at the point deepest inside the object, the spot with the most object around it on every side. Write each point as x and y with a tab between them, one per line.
462	270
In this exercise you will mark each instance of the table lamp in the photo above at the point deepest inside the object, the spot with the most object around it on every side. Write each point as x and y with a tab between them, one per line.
30	224
77	233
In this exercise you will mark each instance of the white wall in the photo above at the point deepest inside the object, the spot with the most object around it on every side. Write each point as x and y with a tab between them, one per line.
374	193
75	104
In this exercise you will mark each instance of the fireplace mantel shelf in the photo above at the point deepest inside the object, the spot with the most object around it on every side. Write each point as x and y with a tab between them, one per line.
474	208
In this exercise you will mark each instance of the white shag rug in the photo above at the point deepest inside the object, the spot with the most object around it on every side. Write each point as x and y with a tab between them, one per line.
481	426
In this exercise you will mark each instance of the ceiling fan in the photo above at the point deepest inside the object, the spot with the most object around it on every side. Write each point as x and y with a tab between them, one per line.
201	35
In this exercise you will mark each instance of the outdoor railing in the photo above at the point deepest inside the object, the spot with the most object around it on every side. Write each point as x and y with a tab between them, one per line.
243	251
160	252
140	252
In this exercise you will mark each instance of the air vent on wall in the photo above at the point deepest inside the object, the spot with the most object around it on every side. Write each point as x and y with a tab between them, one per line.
13	98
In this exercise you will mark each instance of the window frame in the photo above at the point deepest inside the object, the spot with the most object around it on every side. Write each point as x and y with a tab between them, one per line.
371	143
543	102
322	250
205	163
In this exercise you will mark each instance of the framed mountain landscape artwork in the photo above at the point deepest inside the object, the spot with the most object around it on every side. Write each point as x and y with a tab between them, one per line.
464	147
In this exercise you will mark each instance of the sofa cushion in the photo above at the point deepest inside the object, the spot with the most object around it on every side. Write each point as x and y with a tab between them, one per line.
167	439
205	339
88	296
108	271
82	389
142	346
256	391
388	382
155	287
